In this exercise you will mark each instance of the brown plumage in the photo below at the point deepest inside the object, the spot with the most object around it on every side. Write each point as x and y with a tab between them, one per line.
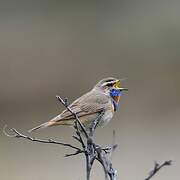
88	107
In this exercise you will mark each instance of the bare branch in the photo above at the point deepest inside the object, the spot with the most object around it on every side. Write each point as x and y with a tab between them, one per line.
91	150
79	137
8	133
95	123
48	141
76	153
157	167
107	165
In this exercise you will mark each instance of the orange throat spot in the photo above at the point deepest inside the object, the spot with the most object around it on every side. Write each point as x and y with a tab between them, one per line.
116	98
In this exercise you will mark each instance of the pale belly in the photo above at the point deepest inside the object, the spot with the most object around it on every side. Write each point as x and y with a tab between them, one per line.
106	118
87	121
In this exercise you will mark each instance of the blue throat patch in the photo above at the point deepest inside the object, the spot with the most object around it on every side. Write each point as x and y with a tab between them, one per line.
113	93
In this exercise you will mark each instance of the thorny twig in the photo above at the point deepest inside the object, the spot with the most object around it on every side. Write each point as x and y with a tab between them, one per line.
157	167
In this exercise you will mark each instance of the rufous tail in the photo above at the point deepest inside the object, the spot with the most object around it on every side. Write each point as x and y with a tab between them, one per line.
42	126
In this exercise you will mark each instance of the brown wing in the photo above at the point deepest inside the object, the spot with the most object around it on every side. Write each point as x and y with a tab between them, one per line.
87	104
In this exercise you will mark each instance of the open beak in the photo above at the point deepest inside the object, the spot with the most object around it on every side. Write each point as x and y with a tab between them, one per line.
122	89
117	86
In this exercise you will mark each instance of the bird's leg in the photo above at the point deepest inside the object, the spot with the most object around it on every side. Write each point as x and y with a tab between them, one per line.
95	123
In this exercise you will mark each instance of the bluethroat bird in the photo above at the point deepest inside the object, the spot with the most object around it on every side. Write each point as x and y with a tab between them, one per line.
102	101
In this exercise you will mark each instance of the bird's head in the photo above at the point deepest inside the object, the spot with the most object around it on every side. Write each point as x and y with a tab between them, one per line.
112	87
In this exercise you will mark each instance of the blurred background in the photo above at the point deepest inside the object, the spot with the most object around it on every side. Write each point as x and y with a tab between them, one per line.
65	47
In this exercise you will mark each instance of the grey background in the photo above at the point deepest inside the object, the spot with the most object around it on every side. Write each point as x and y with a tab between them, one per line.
65	47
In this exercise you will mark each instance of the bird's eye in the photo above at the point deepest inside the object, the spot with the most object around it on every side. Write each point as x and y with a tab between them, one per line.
110	84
